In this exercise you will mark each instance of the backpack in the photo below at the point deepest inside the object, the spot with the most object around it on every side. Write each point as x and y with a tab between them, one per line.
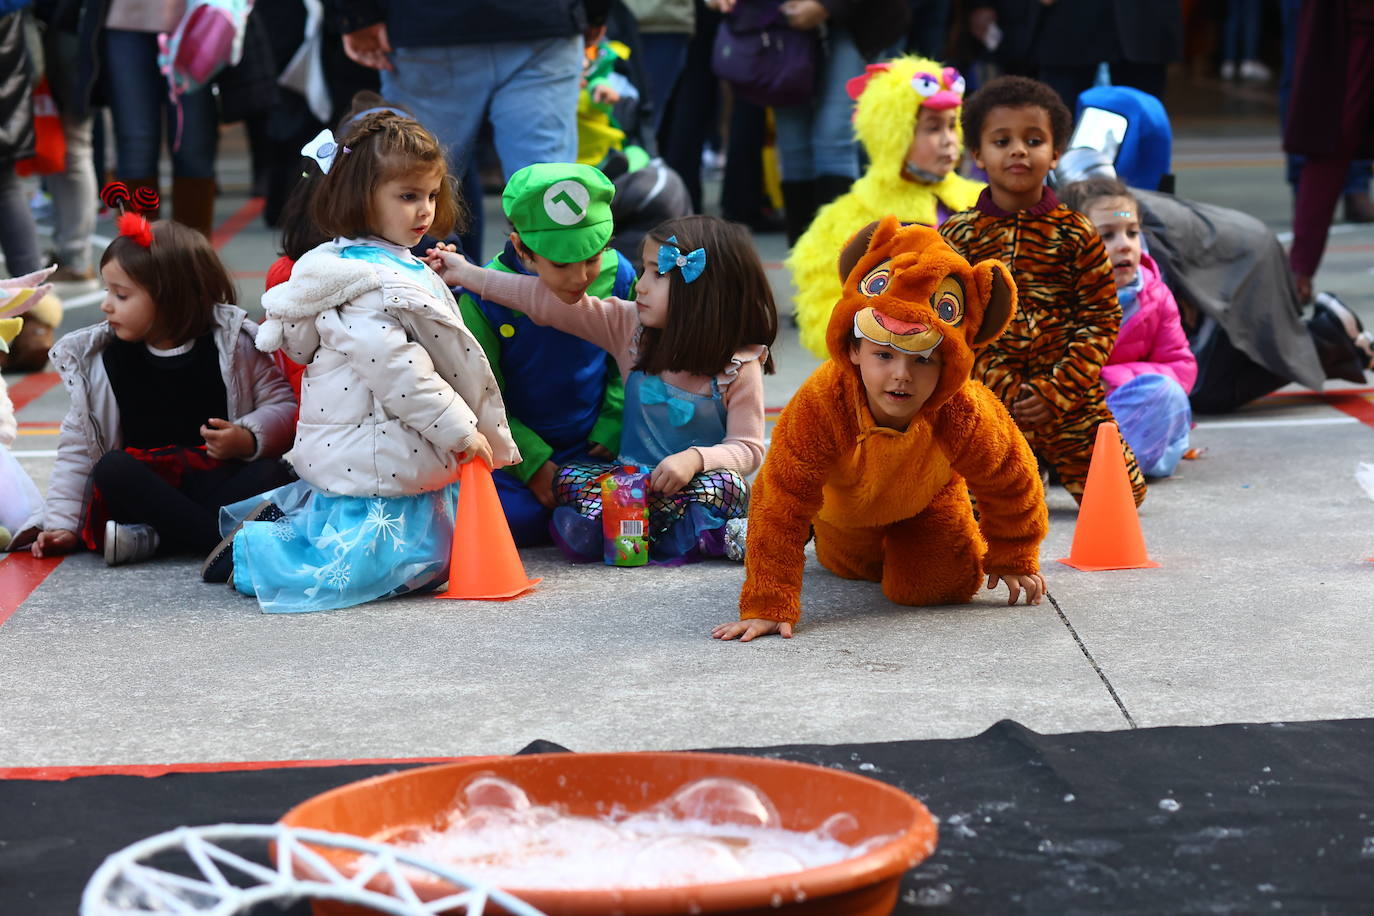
766	61
208	38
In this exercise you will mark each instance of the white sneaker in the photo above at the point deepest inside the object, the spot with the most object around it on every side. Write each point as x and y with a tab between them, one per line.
1255	70
1228	70
129	543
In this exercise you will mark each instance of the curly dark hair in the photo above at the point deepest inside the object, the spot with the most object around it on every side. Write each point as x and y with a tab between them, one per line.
1016	92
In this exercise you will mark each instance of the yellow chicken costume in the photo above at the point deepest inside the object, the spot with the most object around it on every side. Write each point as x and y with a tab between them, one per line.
888	505
889	99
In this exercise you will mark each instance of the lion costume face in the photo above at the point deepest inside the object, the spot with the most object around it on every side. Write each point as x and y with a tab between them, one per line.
904	286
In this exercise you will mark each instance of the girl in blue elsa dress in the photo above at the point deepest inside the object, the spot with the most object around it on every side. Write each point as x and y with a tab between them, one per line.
396	395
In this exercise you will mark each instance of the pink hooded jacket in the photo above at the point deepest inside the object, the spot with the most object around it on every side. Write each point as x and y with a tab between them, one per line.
1152	340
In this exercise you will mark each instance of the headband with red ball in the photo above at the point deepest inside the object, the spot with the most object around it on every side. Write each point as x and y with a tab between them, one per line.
131	222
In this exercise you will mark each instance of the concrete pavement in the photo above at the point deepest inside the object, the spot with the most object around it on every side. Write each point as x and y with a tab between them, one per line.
1259	611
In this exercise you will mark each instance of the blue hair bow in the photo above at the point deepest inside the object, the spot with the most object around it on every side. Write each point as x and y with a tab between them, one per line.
670	256
652	390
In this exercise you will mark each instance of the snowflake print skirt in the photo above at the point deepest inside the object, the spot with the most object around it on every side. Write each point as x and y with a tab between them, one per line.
329	552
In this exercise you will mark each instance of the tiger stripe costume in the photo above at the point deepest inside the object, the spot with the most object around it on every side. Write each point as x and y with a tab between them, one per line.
1065	325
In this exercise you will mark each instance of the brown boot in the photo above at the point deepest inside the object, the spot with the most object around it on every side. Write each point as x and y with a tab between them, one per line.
193	203
136	183
1359	208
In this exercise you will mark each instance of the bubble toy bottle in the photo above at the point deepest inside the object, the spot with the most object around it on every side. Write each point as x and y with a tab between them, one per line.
625	517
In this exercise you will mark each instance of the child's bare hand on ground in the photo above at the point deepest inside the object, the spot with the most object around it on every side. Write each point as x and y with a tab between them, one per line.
478	447
673	472
451	266
1031	409
55	543
224	441
541	484
1033	584
745	630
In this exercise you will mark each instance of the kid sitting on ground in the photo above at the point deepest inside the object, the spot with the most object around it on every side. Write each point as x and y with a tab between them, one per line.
174	412
563	394
1151	369
693	349
878	451
396	392
1047	366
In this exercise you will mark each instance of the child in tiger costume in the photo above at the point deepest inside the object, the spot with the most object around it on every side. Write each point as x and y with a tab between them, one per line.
1046	367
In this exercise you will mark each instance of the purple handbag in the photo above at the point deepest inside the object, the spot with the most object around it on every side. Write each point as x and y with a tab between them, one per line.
766	61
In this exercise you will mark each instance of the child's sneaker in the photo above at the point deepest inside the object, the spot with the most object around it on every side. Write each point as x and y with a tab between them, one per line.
129	543
736	531
1348	348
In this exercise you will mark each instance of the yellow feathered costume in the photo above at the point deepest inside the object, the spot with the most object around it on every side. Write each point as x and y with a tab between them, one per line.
889	97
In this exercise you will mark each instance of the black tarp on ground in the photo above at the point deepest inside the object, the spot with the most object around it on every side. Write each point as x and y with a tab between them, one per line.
1220	819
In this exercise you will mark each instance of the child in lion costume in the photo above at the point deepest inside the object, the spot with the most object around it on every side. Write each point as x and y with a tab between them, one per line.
880	448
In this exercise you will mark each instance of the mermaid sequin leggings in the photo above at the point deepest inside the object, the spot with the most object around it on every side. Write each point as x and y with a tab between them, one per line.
723	492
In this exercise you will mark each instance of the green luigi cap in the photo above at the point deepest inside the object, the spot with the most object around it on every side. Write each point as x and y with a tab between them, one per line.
562	210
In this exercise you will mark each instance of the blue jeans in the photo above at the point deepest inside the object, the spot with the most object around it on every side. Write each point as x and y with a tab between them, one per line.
527	90
137	91
665	56
18	232
818	139
1240	34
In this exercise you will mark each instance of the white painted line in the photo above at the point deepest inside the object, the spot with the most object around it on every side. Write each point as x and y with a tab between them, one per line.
1258	424
35	453
1338	229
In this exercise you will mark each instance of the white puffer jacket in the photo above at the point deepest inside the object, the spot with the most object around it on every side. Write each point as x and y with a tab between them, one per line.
395	385
258	398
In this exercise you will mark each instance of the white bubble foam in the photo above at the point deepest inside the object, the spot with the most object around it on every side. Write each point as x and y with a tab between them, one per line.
709	831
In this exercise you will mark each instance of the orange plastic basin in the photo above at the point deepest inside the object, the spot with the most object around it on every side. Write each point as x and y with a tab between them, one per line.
591	785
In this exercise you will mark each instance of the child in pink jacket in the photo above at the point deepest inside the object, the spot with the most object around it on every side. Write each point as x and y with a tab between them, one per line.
1151	369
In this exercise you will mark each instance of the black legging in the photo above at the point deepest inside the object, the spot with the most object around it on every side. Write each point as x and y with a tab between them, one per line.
186	519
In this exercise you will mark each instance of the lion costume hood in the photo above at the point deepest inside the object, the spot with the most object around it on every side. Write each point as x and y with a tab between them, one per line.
910	274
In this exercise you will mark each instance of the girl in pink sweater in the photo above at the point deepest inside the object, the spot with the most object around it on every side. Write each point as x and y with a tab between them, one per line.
1151	369
693	349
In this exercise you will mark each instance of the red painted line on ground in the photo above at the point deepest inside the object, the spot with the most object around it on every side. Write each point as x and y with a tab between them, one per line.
32	387
58	774
237	221
20	574
1354	405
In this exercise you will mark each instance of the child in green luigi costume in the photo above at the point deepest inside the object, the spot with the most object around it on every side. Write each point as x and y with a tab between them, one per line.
563	395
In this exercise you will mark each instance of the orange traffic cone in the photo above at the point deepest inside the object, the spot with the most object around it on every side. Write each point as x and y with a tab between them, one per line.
1108	532
484	563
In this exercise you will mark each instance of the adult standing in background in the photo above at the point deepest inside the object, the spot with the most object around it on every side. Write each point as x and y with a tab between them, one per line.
18	234
818	155
1330	119
73	189
1065	40
139	104
665	31
514	63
